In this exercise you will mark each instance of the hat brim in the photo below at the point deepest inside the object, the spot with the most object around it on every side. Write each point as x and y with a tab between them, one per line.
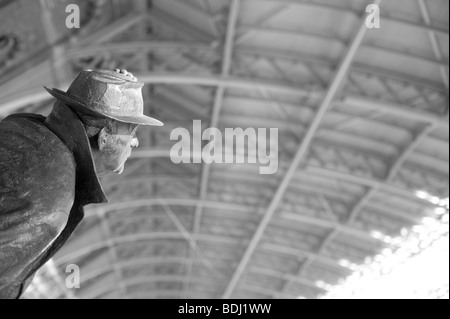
79	107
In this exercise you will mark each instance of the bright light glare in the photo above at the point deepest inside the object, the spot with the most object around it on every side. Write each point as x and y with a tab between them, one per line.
415	266
421	194
435	200
440	211
377	235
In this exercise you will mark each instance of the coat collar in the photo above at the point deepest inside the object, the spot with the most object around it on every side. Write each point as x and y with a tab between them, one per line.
65	124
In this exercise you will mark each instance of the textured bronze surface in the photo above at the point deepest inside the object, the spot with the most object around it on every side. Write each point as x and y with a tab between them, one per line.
47	175
108	94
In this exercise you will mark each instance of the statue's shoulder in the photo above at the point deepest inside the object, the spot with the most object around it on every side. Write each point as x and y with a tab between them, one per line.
27	116
27	145
27	130
22	125
37	191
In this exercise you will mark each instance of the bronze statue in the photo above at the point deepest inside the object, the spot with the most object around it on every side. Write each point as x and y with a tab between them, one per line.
49	167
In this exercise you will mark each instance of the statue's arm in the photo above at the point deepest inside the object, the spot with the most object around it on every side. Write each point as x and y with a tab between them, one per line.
19	231
15	243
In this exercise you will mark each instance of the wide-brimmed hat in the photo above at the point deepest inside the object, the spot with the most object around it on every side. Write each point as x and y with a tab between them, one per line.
106	94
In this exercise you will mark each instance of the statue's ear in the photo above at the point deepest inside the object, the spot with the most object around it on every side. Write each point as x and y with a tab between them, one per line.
103	137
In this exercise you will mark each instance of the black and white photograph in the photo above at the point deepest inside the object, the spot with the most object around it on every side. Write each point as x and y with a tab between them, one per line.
224	154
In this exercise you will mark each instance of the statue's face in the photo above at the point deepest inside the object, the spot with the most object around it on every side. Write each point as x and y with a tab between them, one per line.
114	149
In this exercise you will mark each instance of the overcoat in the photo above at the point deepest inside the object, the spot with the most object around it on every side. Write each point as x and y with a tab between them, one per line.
47	176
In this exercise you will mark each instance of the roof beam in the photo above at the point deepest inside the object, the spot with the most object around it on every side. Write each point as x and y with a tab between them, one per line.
228	82
295	279
168	294
111	30
266	19
314	191
215	205
134	46
394	109
329	38
37	94
334	7
333	89
349	230
191	240
434	42
177	25
318	222
96	292
216	111
76	253
406	153
136	263
266	291
314	171
327	207
203	10
173	202
158	261
327	261
322	223
368	182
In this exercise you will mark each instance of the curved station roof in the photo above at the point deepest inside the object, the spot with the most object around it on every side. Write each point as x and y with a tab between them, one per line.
363	128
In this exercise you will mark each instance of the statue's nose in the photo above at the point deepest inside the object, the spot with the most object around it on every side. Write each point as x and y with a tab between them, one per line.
134	142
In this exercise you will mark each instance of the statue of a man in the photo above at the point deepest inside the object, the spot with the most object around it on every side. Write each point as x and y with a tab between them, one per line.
49	167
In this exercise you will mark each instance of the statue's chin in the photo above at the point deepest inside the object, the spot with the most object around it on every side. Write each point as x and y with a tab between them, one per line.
109	172
120	169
